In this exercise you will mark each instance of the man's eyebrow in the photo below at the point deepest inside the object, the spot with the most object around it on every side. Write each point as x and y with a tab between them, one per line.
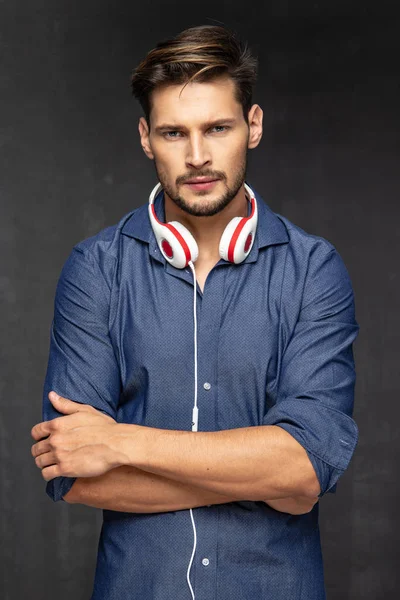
207	125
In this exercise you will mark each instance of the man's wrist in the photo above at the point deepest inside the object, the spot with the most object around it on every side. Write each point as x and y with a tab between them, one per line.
129	445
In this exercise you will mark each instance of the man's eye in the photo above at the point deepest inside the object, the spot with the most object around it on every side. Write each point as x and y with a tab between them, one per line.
219	127
172	135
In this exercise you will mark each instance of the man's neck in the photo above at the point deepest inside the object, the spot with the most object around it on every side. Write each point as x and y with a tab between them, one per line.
207	231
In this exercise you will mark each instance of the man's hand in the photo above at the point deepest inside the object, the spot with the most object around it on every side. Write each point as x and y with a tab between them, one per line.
78	444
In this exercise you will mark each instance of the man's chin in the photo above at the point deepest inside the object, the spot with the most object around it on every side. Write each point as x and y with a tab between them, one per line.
202	209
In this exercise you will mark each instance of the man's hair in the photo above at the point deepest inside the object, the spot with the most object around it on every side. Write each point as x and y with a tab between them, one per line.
199	53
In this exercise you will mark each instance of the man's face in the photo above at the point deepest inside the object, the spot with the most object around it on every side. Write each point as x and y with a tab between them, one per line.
200	133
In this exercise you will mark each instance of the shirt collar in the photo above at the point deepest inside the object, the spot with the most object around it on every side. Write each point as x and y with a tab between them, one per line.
270	228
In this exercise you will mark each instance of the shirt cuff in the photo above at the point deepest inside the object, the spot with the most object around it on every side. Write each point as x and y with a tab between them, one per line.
57	488
328	435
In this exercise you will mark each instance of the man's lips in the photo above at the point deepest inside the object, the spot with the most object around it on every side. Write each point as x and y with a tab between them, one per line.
202	180
202	185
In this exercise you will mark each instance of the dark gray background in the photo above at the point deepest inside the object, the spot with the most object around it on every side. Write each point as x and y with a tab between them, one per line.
71	164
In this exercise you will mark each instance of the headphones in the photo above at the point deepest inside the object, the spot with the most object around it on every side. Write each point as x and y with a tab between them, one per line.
179	247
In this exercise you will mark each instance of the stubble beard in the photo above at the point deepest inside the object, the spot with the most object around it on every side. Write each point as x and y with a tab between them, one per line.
199	209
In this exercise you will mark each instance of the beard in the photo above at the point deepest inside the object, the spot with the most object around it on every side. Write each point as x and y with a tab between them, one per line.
200	209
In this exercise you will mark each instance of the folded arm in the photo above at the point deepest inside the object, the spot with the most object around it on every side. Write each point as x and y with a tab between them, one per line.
253	463
129	489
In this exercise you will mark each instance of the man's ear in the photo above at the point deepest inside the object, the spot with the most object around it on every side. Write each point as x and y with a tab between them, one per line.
144	138
255	119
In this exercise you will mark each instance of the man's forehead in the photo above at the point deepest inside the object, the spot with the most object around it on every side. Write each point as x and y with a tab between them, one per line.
206	101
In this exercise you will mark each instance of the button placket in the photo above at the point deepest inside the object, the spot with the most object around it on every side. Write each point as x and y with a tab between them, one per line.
208	342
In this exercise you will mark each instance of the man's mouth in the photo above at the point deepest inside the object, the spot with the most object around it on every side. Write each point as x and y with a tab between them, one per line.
201	183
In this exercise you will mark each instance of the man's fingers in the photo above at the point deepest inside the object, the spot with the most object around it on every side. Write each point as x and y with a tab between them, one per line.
45	460
40	448
67	421
41	430
65	405
51	472
45	428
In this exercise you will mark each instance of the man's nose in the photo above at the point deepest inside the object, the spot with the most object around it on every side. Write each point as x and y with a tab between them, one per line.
198	154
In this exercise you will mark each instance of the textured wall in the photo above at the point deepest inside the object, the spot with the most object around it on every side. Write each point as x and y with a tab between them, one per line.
71	164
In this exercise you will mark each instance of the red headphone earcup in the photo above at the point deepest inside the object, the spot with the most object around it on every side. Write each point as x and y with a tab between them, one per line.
186	241
238	237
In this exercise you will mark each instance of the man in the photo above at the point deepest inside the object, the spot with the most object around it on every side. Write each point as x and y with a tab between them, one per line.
222	503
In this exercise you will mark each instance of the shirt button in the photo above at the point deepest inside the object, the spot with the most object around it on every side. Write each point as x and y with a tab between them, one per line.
205	562
206	385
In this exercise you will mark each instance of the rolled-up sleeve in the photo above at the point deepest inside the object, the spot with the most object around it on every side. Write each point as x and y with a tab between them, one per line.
315	397
82	364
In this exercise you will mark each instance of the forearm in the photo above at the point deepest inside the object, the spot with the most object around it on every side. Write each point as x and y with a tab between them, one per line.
256	463
129	489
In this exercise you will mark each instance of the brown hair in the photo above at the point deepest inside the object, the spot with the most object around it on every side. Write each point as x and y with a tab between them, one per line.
202	53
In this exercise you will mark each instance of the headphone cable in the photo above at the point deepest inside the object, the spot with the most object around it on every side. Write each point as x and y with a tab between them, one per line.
195	416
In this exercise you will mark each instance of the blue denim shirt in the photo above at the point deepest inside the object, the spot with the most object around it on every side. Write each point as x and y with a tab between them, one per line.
275	338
